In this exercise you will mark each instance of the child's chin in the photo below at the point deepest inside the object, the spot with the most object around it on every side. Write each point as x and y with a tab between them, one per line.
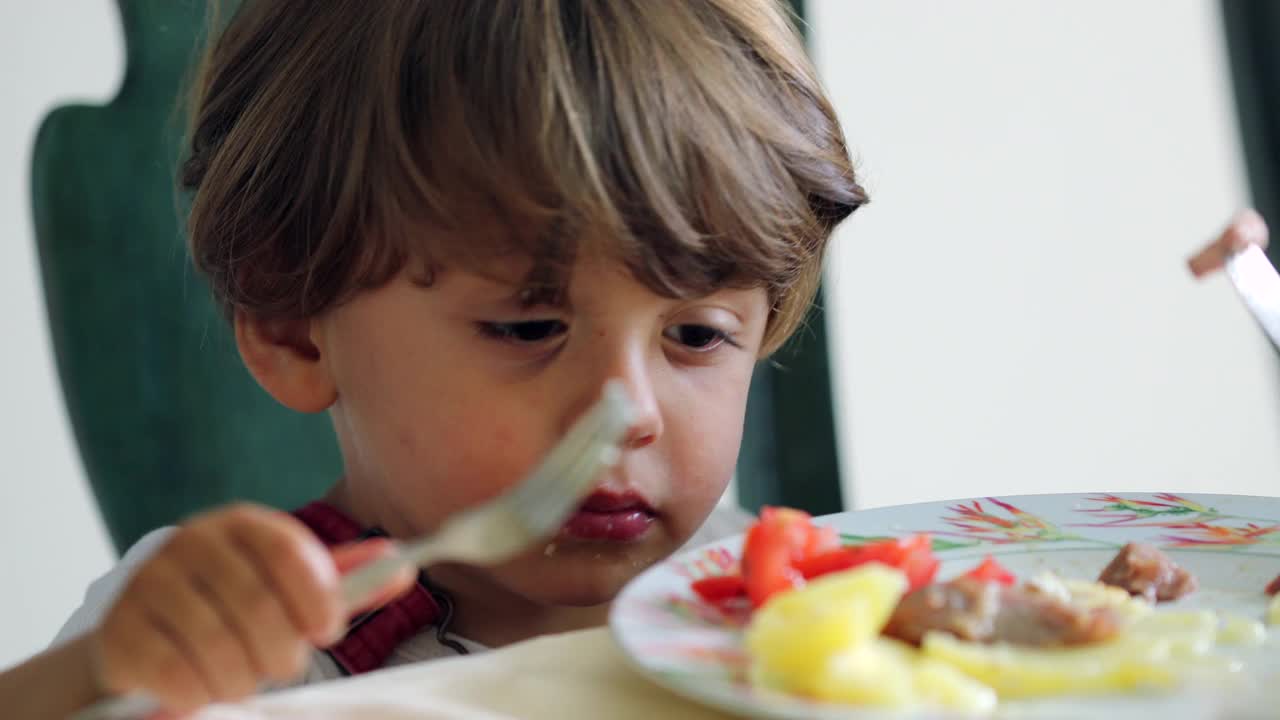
577	574
568	591
577	584
579	598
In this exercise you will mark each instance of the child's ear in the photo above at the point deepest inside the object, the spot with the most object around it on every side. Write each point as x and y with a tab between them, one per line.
282	357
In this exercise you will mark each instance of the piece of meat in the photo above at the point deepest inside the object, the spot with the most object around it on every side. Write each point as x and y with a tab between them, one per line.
1144	571
1273	587
989	612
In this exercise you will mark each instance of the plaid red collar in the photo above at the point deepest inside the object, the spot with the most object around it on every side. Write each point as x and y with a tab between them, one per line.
373	636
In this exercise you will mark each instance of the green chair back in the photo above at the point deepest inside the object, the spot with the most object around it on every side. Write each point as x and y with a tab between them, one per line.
166	419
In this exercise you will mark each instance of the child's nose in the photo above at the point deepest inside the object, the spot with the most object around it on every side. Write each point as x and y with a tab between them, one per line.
643	432
633	371
646	428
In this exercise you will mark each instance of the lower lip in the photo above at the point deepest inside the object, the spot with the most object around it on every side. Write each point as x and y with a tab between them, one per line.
617	526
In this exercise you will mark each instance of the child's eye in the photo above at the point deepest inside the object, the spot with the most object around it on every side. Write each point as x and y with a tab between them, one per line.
700	338
525	332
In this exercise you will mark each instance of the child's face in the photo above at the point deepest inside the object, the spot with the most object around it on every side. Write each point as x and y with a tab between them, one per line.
448	394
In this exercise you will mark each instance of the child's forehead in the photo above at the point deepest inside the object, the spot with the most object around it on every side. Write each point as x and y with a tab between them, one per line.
521	281
511	282
529	261
586	287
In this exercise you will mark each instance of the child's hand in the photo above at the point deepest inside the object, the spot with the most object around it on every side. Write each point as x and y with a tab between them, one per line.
237	597
1248	228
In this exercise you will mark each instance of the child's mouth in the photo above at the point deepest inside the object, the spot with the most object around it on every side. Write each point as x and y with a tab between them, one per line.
610	516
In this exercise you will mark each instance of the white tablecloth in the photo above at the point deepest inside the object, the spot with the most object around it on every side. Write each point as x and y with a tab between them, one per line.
575	675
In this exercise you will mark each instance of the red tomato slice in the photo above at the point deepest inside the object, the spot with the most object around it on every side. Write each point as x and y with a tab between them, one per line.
720	588
821	539
991	571
829	562
918	561
912	555
918	543
784	548
774	513
771	547
920	570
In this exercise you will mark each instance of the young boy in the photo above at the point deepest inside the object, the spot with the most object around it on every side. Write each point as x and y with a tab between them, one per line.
447	224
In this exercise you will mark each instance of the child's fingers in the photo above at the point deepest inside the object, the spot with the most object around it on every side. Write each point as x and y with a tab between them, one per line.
350	557
1245	229
132	654
295	565
1252	229
254	616
1214	255
178	609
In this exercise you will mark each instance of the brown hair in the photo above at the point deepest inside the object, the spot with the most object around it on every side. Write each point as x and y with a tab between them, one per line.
689	139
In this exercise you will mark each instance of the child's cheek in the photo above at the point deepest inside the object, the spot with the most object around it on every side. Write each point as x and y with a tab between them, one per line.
483	457
503	436
707	466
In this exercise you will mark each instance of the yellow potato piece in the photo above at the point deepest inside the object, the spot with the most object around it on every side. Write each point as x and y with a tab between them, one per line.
873	674
1023	673
1189	633
1273	610
1241	631
890	674
943	686
793	637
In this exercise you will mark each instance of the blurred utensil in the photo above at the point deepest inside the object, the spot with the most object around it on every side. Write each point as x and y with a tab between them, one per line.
1258	284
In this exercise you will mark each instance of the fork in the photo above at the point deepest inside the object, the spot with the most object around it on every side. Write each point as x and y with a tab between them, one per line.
487	534
1255	279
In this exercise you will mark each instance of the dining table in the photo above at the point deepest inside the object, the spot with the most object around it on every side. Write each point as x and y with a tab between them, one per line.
580	674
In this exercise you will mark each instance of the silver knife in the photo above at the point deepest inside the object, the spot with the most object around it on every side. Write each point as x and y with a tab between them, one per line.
1258	285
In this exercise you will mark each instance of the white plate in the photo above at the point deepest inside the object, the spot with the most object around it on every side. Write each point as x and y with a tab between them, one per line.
1230	542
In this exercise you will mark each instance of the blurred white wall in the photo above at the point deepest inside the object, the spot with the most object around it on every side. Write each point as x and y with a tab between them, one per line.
52	542
1011	312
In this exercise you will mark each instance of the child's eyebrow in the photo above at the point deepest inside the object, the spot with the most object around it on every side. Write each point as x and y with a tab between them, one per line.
533	296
